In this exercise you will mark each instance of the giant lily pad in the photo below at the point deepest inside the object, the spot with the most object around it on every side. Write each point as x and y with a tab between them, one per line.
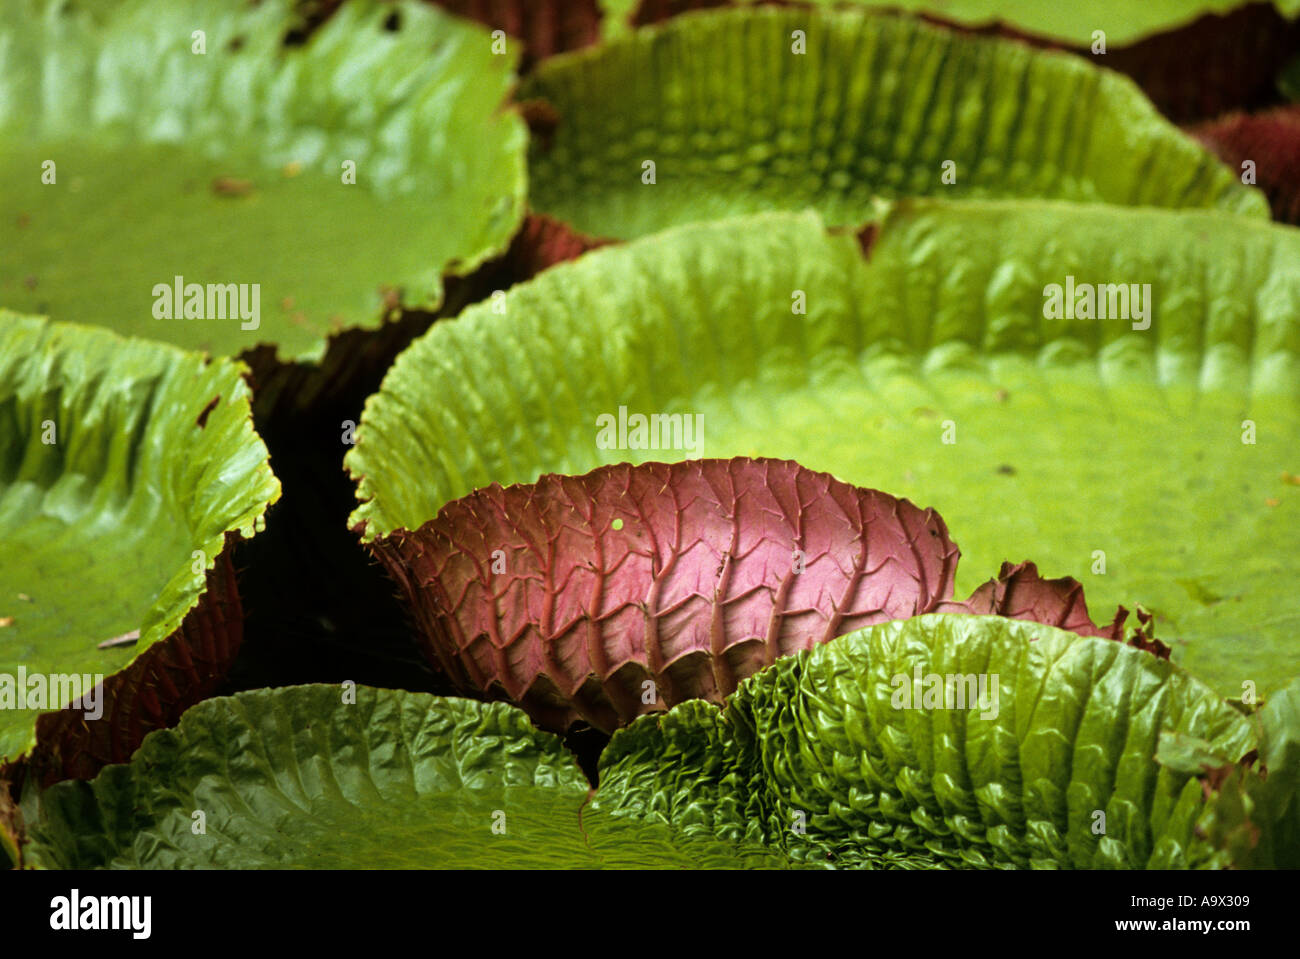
330	777
1194	60
1123	21
814	761
735	119
577	595
1159	461
190	140
126	470
941	740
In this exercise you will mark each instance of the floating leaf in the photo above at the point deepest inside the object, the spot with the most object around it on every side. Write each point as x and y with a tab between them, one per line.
938	741
1254	808
188	140
298	777
1019	592
717	114
1144	459
814	761
127	471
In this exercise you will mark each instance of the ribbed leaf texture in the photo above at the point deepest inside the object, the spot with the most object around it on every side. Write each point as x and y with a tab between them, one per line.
1153	460
633	588
128	471
1086	753
361	778
1125	22
1193	59
1019	592
786	108
843	755
309	760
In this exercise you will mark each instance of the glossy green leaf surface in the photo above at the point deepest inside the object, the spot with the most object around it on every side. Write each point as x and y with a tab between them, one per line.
188	140
1152	463
300	778
123	465
815	761
939	741
768	108
1123	21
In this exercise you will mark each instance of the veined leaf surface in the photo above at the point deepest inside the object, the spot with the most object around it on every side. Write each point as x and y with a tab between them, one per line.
124	467
1155	460
1123	21
299	778
939	740
716	113
812	762
632	588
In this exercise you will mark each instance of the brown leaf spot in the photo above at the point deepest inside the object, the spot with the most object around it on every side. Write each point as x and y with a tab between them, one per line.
202	421
231	186
391	296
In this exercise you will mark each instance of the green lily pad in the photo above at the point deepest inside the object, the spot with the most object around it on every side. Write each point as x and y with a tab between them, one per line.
813	762
126	468
354	777
735	120
188	140
1151	463
1123	21
938	741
